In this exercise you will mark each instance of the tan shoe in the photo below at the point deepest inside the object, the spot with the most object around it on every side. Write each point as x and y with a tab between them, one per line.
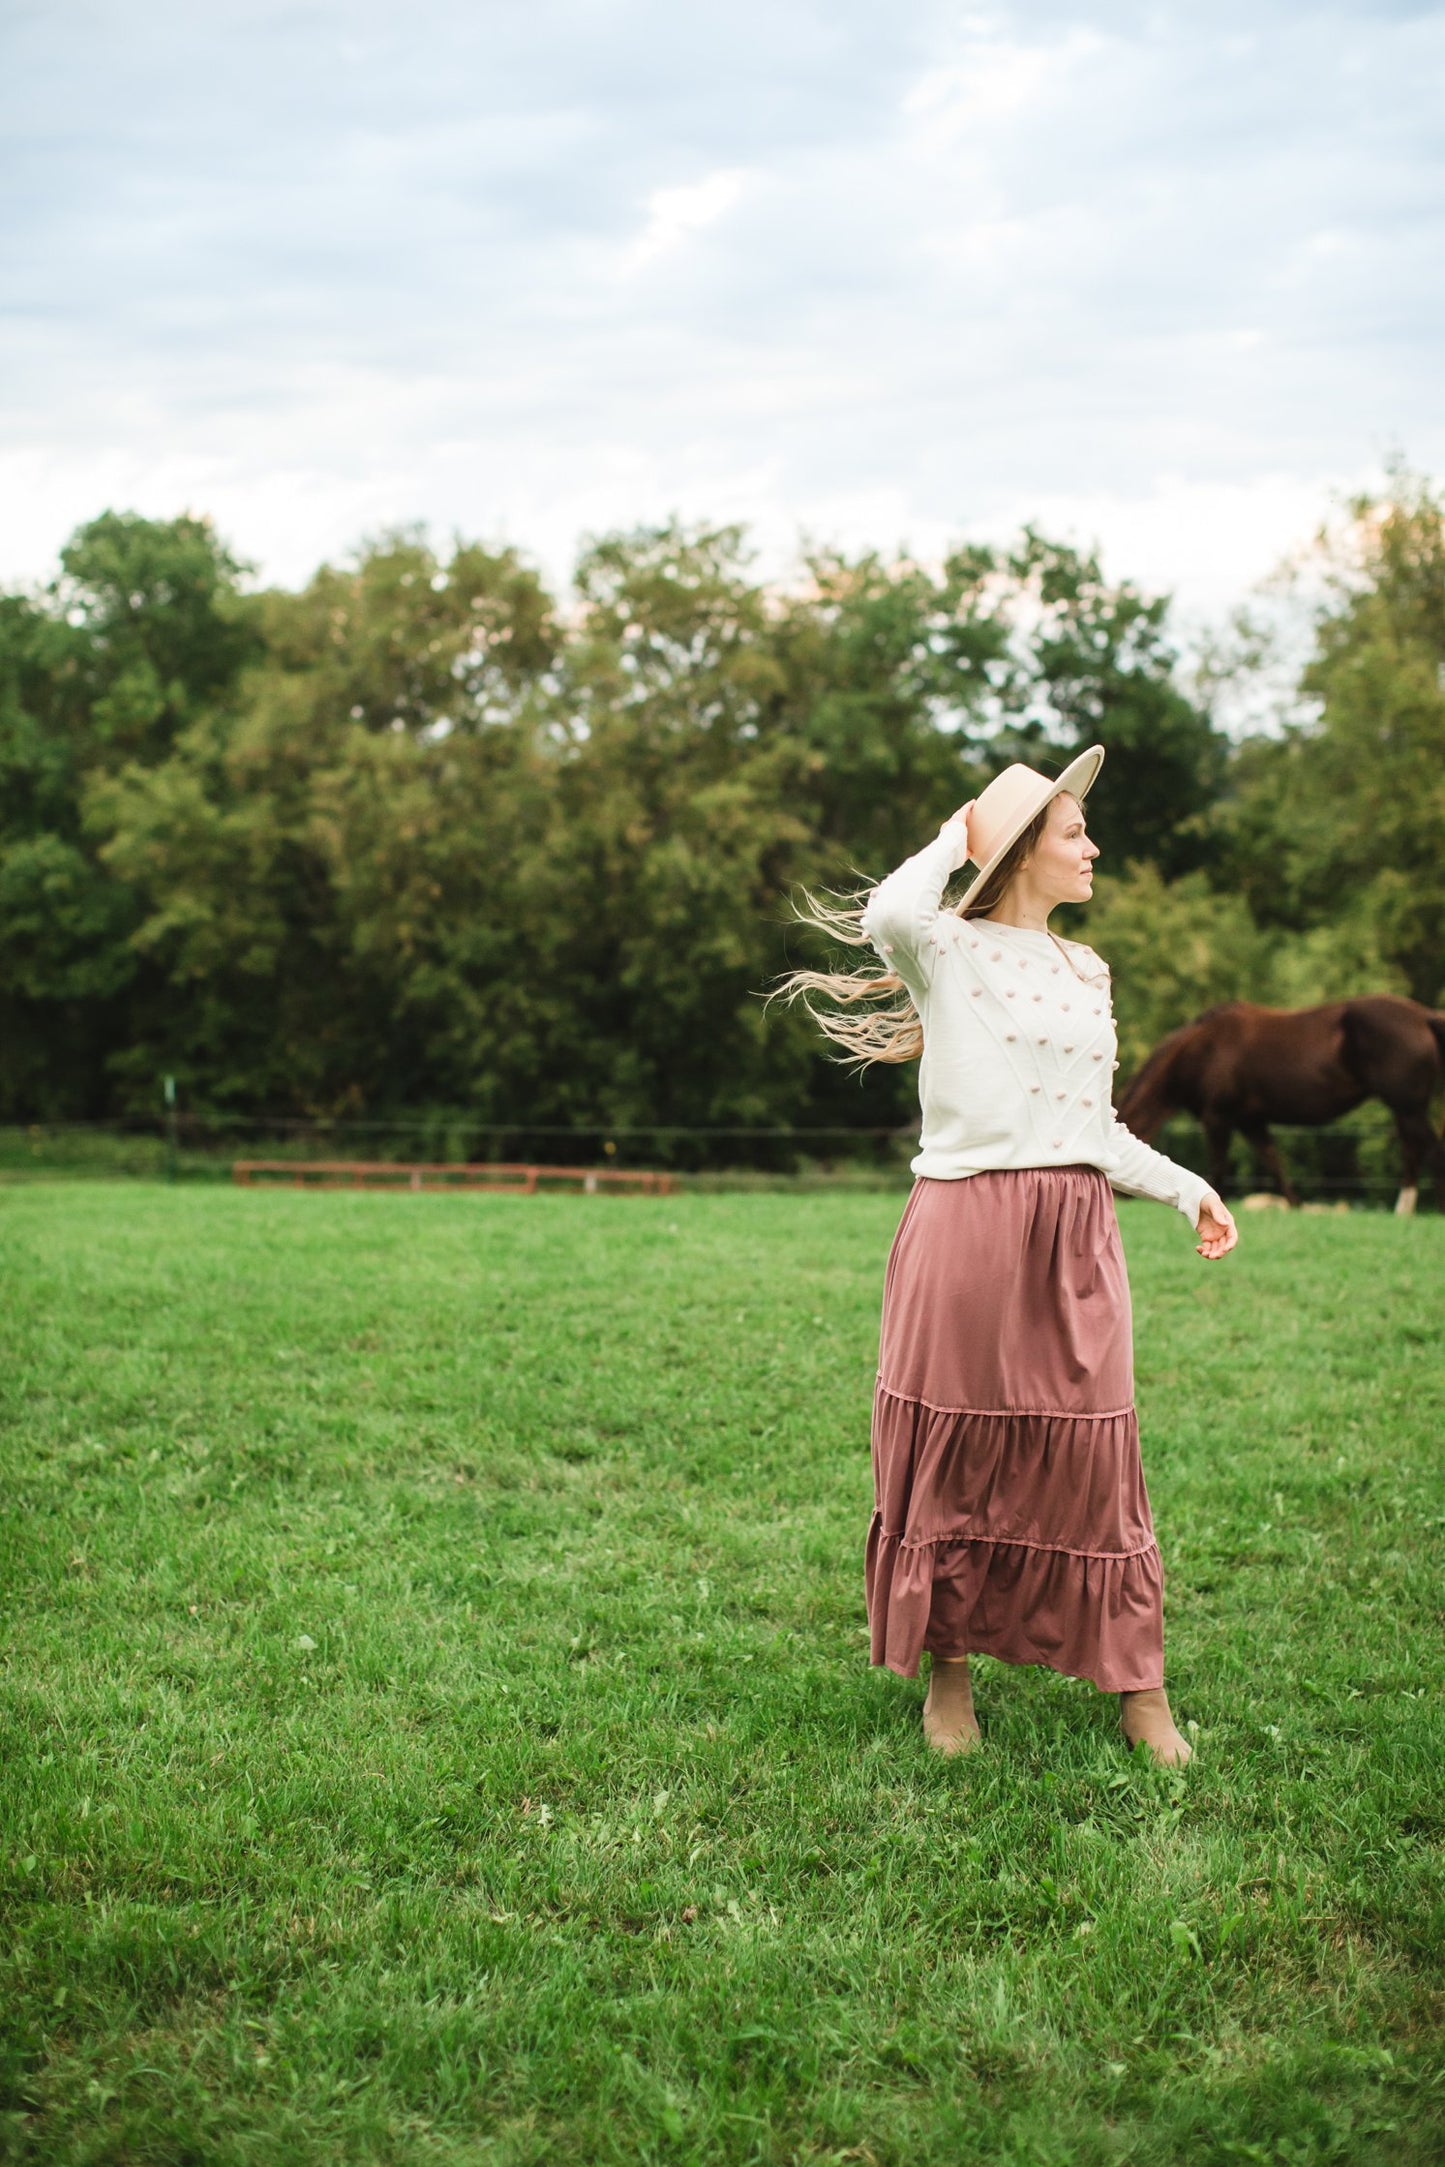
949	1723
1145	1720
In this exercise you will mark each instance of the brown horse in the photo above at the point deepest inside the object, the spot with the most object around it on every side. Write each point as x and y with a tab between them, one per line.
1240	1066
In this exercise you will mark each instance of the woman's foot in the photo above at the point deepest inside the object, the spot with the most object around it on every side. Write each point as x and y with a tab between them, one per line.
949	1723
1145	1720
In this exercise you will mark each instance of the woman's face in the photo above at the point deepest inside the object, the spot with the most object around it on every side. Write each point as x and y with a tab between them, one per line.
1061	867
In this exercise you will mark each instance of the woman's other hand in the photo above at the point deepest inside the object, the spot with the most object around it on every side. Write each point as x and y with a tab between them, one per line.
1215	1227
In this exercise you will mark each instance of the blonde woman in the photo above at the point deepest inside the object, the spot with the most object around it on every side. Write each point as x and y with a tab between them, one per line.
1011	1516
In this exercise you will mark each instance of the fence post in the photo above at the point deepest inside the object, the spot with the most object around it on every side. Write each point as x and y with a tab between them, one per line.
170	1091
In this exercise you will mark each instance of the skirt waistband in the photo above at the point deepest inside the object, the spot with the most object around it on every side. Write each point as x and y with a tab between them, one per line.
1011	1173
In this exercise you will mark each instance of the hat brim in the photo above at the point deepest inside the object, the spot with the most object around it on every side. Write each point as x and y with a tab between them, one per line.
1078	779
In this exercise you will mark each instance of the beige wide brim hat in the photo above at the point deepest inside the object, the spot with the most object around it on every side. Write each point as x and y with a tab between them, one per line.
999	814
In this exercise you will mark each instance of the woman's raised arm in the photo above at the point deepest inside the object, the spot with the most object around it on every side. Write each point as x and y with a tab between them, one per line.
902	913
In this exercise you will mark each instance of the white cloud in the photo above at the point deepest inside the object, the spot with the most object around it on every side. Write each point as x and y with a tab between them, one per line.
999	80
674	215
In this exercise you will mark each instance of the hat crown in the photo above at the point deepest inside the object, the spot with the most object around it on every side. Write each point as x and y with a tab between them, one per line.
1007	804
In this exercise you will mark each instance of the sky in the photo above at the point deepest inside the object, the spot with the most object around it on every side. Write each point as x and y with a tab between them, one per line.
1164	279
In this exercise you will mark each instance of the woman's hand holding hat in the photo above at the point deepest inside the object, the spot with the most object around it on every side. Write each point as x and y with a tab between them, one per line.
960	818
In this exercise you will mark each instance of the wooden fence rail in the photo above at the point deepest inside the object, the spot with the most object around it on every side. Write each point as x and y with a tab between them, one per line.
391	1174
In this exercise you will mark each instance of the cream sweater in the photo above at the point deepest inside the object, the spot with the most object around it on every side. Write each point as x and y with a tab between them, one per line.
1019	1047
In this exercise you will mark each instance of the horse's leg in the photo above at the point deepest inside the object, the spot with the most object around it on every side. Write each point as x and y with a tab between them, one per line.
1217	1133
1418	1147
1262	1143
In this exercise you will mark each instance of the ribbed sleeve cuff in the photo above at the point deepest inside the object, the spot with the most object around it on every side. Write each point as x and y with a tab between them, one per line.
1193	1189
955	833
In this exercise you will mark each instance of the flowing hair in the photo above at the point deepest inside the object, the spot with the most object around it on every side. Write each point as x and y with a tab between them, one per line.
871	1013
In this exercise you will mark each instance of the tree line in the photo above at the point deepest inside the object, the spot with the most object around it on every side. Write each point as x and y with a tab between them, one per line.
426	835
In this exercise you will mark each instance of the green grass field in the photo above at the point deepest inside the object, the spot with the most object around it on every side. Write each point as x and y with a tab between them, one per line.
438	1727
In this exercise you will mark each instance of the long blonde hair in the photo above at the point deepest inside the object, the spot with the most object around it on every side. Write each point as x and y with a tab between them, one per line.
874	1018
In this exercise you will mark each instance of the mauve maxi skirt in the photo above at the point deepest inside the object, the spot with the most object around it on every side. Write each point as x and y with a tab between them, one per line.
1011	1515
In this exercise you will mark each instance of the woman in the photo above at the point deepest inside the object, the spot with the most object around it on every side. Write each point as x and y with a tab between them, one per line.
1011	1516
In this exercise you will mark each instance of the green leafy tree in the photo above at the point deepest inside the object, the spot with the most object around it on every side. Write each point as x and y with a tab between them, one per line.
1174	948
164	630
142	629
1341	817
275	988
654	901
1098	667
890	680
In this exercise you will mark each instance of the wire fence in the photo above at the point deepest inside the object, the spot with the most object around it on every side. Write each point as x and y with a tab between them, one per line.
1354	1161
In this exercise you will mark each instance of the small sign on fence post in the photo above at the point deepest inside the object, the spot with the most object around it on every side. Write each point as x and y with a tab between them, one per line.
170	1091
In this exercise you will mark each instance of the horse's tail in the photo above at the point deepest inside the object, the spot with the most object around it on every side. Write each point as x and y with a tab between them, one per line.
1435	1017
1146	1103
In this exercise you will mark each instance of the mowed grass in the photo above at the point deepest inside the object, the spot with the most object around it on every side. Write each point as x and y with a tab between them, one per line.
438	1725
